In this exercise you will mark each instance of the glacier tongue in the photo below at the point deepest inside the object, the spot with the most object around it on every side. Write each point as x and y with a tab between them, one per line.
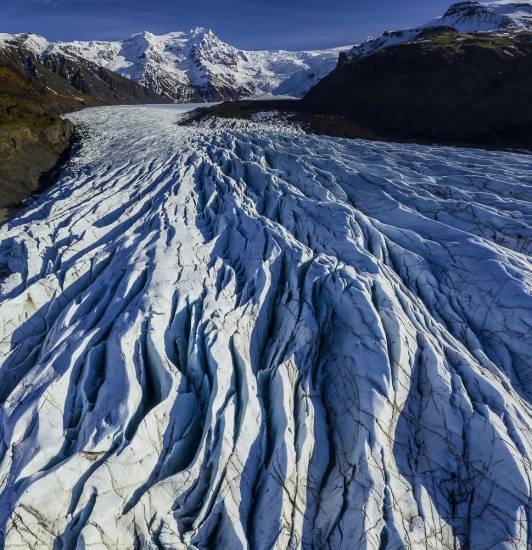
244	336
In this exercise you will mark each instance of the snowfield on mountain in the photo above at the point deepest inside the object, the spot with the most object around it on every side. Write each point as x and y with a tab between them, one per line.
237	335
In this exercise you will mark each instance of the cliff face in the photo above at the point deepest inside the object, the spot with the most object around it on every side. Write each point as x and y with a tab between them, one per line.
32	134
28	151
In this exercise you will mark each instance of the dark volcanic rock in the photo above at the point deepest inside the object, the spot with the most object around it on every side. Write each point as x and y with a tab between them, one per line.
444	87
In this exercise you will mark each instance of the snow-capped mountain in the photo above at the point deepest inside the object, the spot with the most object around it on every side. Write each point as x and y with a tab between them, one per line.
255	338
466	17
471	17
33	43
45	68
197	65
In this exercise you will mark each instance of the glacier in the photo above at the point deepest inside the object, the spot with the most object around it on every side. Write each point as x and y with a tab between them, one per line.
234	334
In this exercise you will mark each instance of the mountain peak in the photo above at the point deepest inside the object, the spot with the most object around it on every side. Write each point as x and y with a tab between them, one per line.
201	30
35	43
472	16
466	17
174	35
469	6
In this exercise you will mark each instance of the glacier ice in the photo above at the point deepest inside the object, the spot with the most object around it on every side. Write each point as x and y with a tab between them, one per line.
244	336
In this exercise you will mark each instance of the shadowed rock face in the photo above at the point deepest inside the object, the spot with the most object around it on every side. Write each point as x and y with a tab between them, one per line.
104	86
445	85
29	151
236	335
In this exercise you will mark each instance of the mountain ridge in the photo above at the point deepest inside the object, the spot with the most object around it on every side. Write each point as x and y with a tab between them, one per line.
196	65
463	77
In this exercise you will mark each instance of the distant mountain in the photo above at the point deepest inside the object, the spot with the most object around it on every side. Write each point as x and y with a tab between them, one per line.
464	17
465	77
196	65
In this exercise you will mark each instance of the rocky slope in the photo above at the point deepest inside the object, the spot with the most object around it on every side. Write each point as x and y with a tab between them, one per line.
197	65
34	90
440	82
443	86
32	134
241	336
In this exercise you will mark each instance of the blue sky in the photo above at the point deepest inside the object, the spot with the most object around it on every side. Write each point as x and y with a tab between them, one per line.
252	24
